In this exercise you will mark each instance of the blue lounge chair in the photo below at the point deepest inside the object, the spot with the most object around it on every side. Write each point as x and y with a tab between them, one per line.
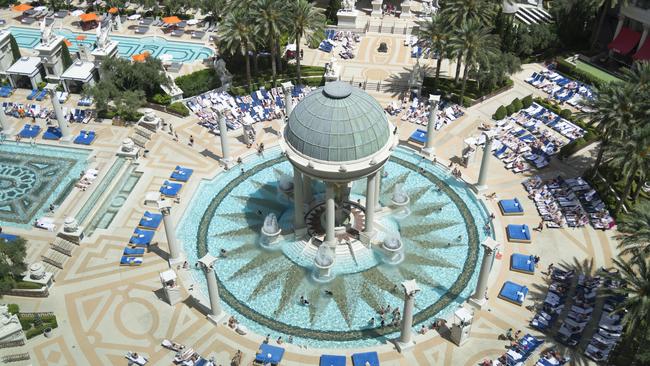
40	96
332	360
141	237
523	263
269	354
511	207
130	261
133	252
500	151
518	233
7	237
52	133
360	359
150	220
419	136
170	189
513	293
32	94
181	174
85	138
30	131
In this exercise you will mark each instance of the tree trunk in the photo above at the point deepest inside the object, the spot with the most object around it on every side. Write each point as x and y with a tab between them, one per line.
462	89
255	63
274	71
601	151
278	55
637	191
626	193
458	63
438	66
298	57
248	71
601	20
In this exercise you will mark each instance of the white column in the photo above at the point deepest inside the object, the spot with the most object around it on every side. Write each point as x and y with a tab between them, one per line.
428	149
406	335
330	215
485	163
287	87
63	124
3	121
378	190
484	275
406	9
298	200
207	264
175	254
644	36
307	192
371	193
376	8
223	132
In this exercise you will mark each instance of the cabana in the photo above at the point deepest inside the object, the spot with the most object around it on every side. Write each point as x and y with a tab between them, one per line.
88	21
26	72
85	138
80	73
511	207
518	233
7	237
268	354
365	359
513	292
523	263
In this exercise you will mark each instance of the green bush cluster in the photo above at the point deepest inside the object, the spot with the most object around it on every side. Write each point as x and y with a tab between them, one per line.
570	70
504	111
500	113
179	108
13	308
25	285
34	326
161	98
527	101
198	82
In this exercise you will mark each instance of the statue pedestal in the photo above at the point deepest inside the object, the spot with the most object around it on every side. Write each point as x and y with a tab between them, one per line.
376	8
406	10
347	19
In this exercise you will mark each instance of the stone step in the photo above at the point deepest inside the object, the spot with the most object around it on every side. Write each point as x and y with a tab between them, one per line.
139	140
55	258
50	268
144	132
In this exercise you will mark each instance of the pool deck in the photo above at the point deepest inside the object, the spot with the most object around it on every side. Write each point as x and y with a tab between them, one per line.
104	310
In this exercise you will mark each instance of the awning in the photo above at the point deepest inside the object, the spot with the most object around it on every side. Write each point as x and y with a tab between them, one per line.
644	52
171	20
21	7
89	17
625	41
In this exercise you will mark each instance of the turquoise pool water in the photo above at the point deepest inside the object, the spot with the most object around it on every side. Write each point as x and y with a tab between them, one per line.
127	46
33	177
261	288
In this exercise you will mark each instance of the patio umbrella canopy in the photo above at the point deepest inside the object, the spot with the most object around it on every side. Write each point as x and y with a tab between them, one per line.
89	17
113	10
140	57
22	7
172	20
80	37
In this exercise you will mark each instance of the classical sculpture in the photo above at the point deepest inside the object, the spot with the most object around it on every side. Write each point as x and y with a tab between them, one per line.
46	33
348	5
102	35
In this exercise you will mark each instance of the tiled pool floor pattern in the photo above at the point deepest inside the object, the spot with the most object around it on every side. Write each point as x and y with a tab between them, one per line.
32	178
127	46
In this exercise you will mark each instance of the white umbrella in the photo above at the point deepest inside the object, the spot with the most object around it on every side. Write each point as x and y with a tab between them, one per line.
166	57
40	8
291	47
76	13
134	17
193	21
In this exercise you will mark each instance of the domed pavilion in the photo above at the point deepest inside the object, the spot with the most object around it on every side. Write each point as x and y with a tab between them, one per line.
337	134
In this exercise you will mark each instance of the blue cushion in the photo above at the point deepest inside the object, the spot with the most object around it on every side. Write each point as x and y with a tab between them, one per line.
130	261
510	292
511	206
8	237
332	360
52	133
133	252
30	131
170	188
270	354
150	220
419	136
181	174
522	263
360	359
142	237
519	233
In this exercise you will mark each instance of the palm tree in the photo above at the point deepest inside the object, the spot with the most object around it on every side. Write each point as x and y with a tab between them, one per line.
630	154
477	42
616	109
435	34
635	229
236	34
271	17
635	277
305	18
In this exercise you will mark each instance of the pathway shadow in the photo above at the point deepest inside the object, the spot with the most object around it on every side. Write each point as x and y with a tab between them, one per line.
159	252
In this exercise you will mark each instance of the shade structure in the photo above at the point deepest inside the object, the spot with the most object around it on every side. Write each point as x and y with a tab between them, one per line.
88	17
644	52
172	20
21	7
113	10
625	41
140	57
80	37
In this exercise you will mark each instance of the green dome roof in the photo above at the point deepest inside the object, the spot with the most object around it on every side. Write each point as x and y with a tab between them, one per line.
337	123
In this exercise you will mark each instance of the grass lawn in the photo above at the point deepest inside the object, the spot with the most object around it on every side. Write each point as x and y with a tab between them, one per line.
604	76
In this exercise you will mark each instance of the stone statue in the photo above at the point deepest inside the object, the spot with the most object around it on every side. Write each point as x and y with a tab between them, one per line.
102	35
348	5
224	75
46	33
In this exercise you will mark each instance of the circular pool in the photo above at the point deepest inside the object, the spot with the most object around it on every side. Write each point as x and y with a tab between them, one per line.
440	233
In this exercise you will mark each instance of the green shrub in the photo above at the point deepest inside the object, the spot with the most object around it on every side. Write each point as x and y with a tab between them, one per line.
179	108
33	332
565	66
25	285
13	308
566	114
500	113
41	85
161	98
527	101
510	109
198	82
517	105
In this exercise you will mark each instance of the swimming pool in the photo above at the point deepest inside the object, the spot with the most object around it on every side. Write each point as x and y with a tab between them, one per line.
127	46
261	287
33	177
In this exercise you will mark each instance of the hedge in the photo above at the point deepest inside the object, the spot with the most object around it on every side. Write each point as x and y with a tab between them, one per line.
500	113
161	98
198	82
13	308
179	108
25	285
527	101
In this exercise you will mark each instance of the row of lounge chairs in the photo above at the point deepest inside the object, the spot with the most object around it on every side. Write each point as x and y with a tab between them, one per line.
87	178
37	94
562	89
536	113
609	331
20	110
582	306
85	101
417	111
347	40
6	91
554	301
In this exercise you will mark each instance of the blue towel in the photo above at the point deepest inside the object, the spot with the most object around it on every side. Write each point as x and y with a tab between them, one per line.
130	261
